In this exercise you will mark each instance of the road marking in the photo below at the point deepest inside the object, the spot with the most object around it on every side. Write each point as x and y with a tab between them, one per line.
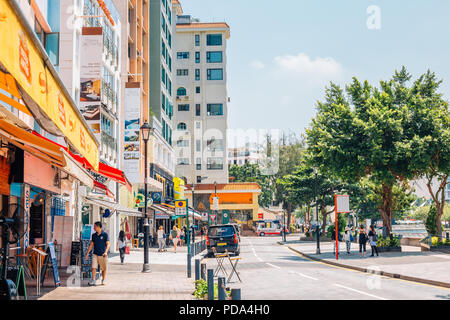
272	265
304	275
361	292
260	259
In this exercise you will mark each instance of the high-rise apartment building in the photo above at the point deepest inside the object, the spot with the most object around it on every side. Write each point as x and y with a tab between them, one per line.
201	99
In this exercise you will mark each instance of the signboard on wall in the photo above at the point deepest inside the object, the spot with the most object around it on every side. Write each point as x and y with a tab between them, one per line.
26	207
91	77
131	152
4	176
47	177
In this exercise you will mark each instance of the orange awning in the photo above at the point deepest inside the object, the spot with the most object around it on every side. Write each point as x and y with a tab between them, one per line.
29	142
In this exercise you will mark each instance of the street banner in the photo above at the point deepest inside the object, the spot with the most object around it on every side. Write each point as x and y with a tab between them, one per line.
215	203
91	50
32	82
131	152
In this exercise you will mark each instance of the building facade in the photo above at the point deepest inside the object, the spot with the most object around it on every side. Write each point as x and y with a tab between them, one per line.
201	100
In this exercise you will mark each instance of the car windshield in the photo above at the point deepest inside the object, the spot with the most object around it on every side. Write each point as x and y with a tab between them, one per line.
225	231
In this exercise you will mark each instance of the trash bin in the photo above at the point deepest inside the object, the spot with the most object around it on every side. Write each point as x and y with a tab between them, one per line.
141	240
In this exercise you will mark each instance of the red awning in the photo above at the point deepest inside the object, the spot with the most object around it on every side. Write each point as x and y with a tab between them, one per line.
104	170
101	187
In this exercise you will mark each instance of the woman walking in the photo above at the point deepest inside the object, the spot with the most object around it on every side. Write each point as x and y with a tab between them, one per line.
161	240
373	240
362	240
121	244
174	238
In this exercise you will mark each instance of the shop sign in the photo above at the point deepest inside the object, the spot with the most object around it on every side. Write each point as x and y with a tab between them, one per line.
178	187
42	93
161	215
26	207
41	174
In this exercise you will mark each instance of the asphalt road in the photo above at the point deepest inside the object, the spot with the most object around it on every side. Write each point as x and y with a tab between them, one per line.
271	272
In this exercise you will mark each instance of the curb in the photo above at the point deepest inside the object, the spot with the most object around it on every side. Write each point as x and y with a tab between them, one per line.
381	273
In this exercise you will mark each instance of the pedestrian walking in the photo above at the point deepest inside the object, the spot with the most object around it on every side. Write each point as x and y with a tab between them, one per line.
362	240
161	240
373	237
121	244
174	238
182	237
100	243
348	239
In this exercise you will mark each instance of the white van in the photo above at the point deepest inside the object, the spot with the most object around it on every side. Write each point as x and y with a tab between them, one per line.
268	227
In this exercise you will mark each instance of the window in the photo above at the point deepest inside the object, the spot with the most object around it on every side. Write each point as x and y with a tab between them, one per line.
183	107
163	101
197	40
214	57
197	110
182	55
198	124
170	63
183	143
198	164
197	57
215	74
214	144
197	74
182	72
163	49
214	163
163	75
215	109
198	145
183	161
214	39
182	126
197	89
181	91
106	125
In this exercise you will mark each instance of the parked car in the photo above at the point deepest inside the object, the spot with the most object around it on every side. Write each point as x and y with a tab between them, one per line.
223	237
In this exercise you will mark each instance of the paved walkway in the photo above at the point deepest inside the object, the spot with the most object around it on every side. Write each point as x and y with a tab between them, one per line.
411	262
166	281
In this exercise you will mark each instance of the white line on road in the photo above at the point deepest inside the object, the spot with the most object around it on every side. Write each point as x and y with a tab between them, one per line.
272	265
304	275
361	292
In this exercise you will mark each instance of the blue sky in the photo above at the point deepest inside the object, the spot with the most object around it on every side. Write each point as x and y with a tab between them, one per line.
282	54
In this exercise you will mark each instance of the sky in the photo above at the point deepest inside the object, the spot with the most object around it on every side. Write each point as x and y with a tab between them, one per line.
282	54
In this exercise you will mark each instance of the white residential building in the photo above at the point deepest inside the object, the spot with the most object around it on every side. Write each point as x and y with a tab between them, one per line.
201	111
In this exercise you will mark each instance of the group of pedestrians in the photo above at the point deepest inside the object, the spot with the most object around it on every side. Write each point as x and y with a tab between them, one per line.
363	238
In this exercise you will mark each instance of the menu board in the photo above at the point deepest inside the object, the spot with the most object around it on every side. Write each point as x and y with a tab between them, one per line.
74	252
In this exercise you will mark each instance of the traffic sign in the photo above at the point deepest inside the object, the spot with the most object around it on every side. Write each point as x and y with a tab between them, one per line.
215	203
180	204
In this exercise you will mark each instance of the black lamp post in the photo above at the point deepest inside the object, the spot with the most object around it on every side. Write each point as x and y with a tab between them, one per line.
317	213
145	130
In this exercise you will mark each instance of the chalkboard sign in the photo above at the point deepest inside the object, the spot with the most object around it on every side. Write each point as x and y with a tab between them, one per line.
17	275
75	251
50	258
85	263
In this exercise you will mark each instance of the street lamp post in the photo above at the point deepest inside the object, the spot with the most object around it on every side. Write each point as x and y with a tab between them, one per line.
317	213
145	129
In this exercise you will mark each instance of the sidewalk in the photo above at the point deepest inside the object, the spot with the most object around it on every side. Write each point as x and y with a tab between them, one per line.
410	264
166	281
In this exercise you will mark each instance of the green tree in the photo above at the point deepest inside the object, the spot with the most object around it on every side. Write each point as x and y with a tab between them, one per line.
366	134
430	223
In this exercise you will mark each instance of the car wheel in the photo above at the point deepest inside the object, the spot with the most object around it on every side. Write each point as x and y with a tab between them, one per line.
262	234
237	252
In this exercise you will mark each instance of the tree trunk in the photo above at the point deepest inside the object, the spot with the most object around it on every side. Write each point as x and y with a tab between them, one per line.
439	200
386	208
289	217
324	218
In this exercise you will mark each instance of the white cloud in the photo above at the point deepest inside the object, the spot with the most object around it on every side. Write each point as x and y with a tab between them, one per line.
258	65
302	64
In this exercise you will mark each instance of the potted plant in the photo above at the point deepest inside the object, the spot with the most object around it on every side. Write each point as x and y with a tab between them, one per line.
389	244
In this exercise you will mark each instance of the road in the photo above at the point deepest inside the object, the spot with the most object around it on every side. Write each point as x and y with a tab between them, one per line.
270	271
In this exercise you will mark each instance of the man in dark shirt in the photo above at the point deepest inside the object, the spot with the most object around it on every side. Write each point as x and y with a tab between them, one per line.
100	242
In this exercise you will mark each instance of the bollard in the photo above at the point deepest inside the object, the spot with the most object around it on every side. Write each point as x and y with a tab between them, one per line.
189	265
235	294
203	271
221	285
197	269
210	284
